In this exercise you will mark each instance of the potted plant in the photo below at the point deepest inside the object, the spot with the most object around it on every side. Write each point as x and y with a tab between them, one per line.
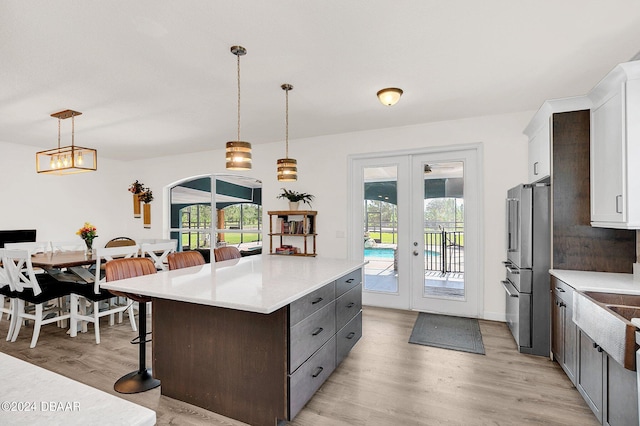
295	198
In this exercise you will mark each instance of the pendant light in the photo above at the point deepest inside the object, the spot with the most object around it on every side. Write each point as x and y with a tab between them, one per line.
287	167
238	152
65	160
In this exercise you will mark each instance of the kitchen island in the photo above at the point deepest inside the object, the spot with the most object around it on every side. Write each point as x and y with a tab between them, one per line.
251	338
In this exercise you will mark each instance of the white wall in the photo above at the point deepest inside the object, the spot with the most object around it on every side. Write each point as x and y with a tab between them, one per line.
322	171
58	205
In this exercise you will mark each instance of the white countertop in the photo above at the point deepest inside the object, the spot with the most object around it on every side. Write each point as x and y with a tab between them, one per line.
32	395
598	281
263	283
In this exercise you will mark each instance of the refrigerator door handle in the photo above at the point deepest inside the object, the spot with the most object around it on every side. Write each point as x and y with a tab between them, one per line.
506	285
513	271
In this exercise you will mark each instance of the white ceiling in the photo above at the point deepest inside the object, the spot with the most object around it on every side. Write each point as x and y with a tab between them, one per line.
155	77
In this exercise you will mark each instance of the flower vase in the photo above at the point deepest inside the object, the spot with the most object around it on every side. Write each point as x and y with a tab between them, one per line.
147	215
293	205
89	244
136	205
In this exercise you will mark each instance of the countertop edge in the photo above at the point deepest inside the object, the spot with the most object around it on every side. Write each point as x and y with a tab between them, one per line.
598	281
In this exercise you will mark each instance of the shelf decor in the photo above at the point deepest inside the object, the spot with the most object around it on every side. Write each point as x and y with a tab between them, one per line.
136	188
146	197
295	198
288	226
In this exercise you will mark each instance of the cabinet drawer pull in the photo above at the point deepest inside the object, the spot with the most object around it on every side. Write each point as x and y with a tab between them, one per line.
318	331
618	199
351	305
318	300
535	168
318	371
560	289
595	345
349	281
600	349
350	335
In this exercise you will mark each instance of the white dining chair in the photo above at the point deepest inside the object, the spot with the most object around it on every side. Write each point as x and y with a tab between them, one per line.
7	295
35	289
31	247
158	252
63	246
92	294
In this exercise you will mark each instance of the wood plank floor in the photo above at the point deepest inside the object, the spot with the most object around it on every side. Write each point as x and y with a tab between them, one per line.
384	381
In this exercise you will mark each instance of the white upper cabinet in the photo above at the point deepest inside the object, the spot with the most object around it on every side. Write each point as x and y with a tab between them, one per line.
540	134
615	149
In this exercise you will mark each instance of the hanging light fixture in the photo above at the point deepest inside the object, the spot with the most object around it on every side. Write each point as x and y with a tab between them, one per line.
287	167
238	152
67	159
389	96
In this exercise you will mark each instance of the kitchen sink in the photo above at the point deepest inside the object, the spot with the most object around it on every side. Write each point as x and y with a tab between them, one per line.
615	298
606	319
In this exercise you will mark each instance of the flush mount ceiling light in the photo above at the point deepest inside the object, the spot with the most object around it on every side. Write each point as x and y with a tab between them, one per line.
287	167
67	160
389	96
238	152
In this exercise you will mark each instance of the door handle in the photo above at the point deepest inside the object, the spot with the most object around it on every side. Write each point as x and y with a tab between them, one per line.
416	252
618	199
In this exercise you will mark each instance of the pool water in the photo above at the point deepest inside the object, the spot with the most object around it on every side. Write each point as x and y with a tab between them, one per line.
387	253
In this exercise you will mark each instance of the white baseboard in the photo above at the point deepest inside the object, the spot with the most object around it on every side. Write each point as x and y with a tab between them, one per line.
495	316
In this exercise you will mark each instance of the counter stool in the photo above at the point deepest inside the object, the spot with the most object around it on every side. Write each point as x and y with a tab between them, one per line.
119	269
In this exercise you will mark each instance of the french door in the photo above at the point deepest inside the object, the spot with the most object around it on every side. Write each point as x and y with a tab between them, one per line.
415	221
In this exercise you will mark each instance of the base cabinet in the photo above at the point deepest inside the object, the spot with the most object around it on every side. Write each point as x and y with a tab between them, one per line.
590	373
323	328
564	343
609	389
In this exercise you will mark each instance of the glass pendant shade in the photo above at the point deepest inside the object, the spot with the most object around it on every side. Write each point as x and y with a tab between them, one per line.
238	155
389	96
287	170
65	160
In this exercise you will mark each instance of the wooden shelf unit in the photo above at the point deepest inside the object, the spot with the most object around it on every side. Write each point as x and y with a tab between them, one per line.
308	227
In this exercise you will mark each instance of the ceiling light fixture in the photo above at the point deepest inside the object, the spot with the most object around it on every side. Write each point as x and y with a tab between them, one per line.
238	152
389	96
287	167
67	160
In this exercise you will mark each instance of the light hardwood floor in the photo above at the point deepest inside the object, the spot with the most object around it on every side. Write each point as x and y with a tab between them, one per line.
384	381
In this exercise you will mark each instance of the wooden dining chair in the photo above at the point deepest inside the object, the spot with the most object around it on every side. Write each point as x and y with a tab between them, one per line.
119	269
35	289
184	259
120	241
226	253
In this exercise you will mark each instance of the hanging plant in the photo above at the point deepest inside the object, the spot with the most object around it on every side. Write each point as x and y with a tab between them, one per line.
146	196
136	187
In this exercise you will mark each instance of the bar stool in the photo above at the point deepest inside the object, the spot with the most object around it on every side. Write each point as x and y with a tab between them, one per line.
118	269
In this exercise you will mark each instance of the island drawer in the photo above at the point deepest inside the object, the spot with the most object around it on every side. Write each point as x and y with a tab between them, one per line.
348	305
343	284
306	305
310	334
304	382
562	290
347	337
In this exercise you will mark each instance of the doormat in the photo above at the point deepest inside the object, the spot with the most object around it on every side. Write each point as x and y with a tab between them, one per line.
447	332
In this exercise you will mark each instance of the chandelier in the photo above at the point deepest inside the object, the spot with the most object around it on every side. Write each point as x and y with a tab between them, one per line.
65	160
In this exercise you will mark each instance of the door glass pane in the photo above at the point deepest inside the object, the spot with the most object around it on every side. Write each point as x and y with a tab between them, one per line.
443	211
380	239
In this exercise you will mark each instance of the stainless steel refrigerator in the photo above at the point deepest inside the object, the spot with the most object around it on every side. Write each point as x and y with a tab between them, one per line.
527	267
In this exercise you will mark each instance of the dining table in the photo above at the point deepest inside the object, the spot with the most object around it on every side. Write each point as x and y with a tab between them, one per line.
62	259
